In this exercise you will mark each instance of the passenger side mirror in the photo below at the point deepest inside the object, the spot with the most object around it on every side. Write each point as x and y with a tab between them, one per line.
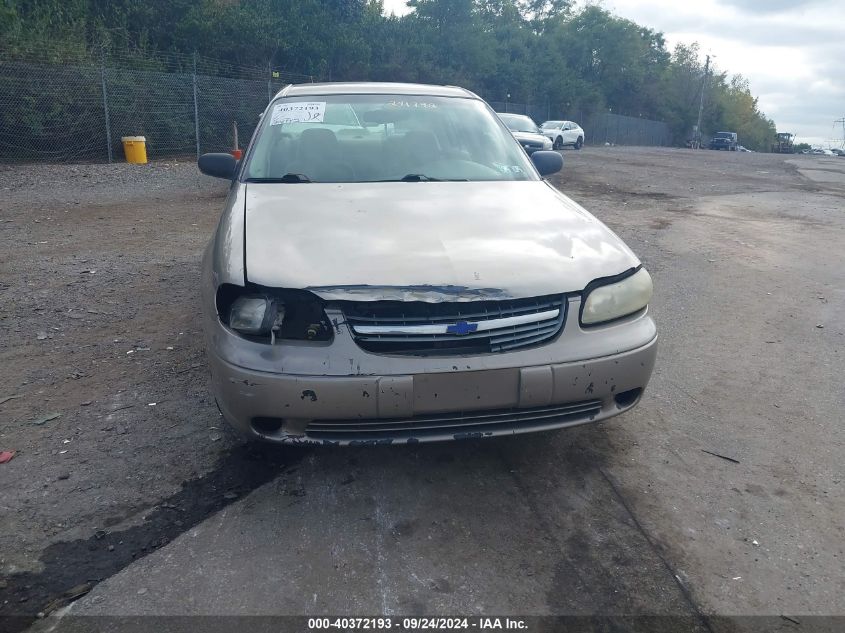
218	165
547	162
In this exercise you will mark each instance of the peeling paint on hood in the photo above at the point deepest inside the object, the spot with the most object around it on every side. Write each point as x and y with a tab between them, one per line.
428	294
426	241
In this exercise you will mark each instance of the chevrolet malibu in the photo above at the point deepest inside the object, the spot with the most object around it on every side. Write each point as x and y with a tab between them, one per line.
390	266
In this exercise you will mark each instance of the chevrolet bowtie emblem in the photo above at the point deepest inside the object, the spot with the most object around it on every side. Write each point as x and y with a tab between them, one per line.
461	327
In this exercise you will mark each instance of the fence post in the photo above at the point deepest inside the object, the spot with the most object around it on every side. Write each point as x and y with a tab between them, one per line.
196	109
106	107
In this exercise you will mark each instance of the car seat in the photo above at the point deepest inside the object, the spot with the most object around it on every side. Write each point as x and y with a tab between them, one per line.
417	150
319	157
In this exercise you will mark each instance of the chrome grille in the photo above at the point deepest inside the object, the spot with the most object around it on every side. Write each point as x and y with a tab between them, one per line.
472	327
454	425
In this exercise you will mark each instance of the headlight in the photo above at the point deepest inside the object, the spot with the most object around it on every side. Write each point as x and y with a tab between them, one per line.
547	143
617	299
252	314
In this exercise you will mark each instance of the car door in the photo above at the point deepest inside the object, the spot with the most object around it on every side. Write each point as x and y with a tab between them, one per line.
570	134
564	132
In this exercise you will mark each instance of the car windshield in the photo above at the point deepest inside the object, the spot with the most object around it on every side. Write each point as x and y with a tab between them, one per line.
376	138
723	135
518	123
552	124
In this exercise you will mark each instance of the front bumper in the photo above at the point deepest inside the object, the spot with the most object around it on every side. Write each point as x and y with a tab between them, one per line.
422	407
337	393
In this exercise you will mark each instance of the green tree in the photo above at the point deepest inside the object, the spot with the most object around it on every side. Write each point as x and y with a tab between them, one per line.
544	52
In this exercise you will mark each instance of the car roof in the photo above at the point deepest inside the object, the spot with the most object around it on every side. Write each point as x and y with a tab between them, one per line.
373	88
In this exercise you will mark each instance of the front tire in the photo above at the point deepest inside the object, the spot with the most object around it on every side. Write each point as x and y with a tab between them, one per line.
579	143
558	144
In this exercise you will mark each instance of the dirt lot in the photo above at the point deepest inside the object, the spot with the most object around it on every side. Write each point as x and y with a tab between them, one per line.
721	493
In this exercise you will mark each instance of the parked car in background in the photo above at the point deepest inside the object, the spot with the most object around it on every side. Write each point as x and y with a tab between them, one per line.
741	148
724	140
564	133
838	152
408	275
526	132
822	152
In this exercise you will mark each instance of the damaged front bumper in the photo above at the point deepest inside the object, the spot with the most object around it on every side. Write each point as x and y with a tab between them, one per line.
337	393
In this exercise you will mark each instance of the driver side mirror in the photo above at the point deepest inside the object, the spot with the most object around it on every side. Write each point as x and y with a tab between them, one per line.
218	164
547	162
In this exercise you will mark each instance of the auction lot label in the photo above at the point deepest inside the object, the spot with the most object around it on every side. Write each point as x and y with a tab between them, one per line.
299	112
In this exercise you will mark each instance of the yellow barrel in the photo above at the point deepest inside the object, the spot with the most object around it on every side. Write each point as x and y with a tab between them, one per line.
135	148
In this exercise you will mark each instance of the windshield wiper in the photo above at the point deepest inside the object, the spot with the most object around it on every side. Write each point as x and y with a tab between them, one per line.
422	178
287	178
418	178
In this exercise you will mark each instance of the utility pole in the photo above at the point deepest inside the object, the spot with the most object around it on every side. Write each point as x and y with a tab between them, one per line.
842	121
697	143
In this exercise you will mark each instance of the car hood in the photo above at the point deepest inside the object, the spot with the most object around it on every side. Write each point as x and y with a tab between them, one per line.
529	136
426	241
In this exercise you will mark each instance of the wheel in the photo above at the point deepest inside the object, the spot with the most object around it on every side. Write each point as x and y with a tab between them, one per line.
558	144
579	143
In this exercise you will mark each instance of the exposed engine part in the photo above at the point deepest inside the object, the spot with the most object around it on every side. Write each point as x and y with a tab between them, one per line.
300	314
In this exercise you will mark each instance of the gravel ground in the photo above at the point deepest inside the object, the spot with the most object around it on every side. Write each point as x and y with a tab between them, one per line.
98	279
102	350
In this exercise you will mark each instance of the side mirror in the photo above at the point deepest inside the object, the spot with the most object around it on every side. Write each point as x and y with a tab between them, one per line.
547	162
219	165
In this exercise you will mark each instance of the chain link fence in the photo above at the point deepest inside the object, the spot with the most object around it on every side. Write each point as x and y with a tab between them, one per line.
600	128
618	129
79	111
537	113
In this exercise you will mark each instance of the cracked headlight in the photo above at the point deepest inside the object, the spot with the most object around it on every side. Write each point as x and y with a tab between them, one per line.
251	314
617	299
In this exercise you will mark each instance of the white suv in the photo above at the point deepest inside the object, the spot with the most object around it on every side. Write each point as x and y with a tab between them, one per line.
563	133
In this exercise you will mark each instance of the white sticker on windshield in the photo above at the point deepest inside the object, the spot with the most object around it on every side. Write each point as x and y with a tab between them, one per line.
301	112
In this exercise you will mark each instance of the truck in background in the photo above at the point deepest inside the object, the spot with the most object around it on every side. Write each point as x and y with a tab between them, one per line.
724	140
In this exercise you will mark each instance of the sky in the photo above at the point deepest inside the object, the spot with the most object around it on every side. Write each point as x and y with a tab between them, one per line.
791	51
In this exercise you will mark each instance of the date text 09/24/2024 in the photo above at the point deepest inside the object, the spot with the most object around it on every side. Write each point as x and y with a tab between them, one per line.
416	624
